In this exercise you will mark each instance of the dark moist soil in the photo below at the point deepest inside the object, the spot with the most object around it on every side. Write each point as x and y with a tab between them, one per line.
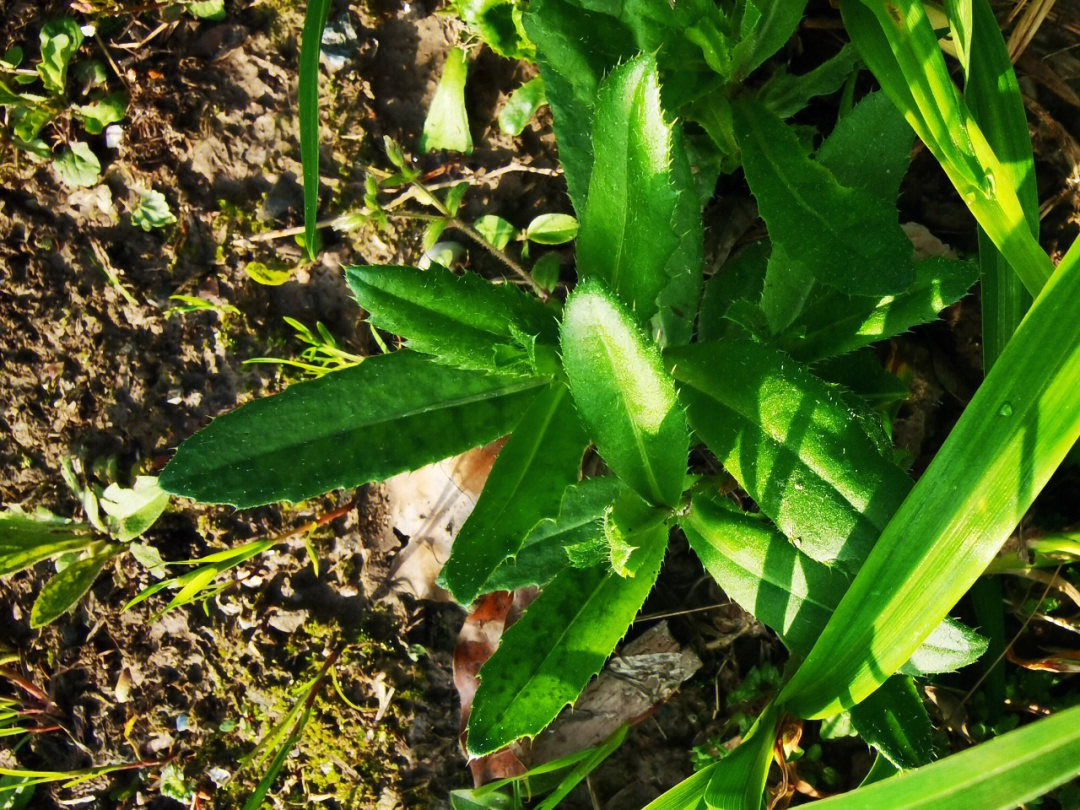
92	373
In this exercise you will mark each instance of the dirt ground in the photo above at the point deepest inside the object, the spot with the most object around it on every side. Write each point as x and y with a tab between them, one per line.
97	365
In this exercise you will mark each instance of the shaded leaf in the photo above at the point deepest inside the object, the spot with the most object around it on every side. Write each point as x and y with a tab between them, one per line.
845	237
792	443
78	166
894	720
550	546
308	102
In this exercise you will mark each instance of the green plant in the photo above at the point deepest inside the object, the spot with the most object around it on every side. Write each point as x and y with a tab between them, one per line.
60	103
854	565
81	550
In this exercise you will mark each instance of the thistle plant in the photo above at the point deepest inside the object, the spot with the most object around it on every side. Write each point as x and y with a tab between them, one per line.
853	564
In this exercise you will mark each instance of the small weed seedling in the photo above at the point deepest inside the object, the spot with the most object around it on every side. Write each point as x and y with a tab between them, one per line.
61	94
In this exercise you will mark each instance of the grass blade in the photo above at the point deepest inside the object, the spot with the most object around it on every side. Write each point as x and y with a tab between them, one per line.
1003	773
963	508
310	48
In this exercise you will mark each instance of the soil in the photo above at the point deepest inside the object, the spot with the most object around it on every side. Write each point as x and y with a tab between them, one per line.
100	367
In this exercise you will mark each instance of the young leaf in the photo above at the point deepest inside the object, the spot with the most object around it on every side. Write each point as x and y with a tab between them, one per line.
464	320
310	48
60	40
625	398
846	237
894	720
556	543
522	105
391	413
65	589
626	234
774	22
786	94
496	230
526	484
552	229
134	510
741	278
447	122
961	20
549	655
790	441
862	373
962	509
1003	773
153	212
29	538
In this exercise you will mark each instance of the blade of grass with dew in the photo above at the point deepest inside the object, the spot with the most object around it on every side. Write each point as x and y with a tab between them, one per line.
898	44
310	48
1009	441
1005	772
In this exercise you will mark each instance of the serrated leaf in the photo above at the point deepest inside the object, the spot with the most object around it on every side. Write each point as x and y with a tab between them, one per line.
1003	773
862	373
65	589
846	238
870	148
526	485
831	323
792	443
27	538
626	236
789	592
392	413
556	543
625	397
741	278
894	720
786	94
447	122
552	229
575	48
548	656
522	105
60	41
463	320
